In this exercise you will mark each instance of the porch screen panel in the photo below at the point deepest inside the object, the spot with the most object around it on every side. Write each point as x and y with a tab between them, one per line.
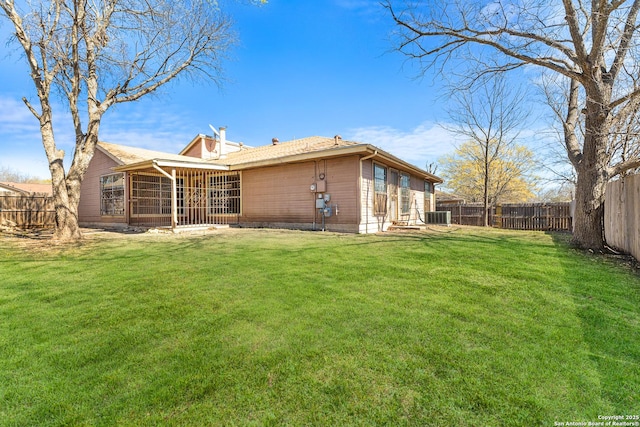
180	196
151	199
224	194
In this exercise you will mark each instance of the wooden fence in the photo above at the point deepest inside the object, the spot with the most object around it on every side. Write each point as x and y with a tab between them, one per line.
514	216
465	214
622	215
27	211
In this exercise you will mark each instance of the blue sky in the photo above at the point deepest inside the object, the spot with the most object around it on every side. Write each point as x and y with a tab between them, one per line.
301	68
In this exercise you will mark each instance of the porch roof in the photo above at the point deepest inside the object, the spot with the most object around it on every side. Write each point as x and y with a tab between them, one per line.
134	158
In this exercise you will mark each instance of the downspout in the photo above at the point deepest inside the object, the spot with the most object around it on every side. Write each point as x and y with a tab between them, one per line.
366	225
174	202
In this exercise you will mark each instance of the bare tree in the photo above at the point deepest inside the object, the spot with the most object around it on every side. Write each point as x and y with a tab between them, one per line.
556	161
594	44
489	115
563	98
11	175
99	53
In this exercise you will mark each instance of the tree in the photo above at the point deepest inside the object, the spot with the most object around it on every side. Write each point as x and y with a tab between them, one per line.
489	115
506	179
594	44
563	97
99	53
11	175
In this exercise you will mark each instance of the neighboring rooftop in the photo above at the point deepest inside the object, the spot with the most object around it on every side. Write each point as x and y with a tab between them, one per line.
25	188
448	198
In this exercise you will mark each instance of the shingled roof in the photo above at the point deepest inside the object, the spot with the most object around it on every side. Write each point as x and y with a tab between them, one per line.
126	155
286	149
130	158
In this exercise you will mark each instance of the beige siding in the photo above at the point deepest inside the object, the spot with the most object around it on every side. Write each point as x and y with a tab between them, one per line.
371	223
417	200
89	207
281	195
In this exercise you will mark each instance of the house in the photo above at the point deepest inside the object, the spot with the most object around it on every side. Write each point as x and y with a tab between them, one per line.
309	183
25	189
443	198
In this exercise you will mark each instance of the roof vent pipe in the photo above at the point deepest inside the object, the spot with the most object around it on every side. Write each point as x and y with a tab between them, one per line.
337	139
275	141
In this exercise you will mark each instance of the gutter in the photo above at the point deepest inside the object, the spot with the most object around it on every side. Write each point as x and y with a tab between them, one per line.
171	164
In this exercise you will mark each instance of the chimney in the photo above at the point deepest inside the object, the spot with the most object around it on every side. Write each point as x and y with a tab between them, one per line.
223	142
275	141
337	139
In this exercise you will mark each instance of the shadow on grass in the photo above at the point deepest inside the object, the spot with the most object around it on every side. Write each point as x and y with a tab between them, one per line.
606	293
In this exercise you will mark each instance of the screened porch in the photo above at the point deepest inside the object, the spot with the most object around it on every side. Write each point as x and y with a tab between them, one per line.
200	198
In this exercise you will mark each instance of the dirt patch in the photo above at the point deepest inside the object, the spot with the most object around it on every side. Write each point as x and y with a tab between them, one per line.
41	239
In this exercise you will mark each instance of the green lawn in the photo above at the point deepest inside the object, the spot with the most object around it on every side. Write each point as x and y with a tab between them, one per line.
455	327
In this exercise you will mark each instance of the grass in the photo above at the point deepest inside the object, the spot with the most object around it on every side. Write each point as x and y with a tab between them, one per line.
462	327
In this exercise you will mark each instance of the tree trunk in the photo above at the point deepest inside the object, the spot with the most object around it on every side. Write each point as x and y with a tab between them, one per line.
65	197
66	205
67	228
589	213
485	198
592	179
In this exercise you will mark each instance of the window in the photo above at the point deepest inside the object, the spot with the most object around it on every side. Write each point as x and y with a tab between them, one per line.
224	194
380	189
405	194
112	194
427	195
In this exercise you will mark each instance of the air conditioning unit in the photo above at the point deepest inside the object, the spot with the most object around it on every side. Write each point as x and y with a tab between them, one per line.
438	217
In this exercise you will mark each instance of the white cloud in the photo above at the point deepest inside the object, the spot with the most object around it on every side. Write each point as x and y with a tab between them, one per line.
152	126
14	111
370	9
419	146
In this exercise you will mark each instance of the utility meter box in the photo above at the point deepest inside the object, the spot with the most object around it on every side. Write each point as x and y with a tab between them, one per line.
327	198
321	186
320	203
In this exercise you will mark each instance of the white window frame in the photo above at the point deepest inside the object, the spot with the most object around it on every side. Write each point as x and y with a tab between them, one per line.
112	194
380	198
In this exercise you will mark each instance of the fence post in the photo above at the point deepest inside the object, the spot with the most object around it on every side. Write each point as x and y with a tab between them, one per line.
497	219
